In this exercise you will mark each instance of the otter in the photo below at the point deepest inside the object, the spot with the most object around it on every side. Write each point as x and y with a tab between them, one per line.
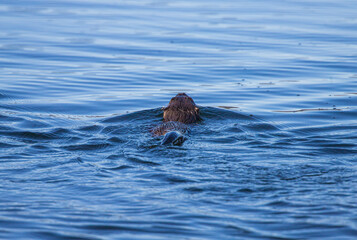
180	111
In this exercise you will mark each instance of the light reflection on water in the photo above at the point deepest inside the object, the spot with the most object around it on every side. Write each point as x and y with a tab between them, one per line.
82	83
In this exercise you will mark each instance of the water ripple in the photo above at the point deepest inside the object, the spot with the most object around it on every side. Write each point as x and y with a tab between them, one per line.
82	84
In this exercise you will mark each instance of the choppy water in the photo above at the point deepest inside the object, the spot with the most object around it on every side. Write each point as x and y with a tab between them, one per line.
82	82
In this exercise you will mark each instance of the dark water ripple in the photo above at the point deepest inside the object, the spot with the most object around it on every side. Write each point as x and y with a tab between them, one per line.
83	82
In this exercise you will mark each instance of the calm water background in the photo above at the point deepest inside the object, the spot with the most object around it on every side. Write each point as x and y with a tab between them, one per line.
82	83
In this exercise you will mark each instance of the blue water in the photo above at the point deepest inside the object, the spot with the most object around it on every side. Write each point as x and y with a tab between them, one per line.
83	82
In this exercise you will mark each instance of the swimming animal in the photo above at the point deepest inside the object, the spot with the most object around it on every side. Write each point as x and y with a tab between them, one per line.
180	112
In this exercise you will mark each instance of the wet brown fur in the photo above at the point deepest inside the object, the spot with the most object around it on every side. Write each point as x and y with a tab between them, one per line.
166	127
180	111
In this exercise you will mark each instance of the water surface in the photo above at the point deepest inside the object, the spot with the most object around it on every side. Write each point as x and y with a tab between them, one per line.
83	82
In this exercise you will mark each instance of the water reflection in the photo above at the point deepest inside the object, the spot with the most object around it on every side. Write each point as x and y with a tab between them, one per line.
82	84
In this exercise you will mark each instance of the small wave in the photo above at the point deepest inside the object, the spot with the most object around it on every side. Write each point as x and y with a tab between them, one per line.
91	128
135	159
310	109
28	135
142	116
172	179
8	145
88	147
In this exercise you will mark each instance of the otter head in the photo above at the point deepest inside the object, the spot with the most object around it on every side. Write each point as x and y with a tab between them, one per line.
183	109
